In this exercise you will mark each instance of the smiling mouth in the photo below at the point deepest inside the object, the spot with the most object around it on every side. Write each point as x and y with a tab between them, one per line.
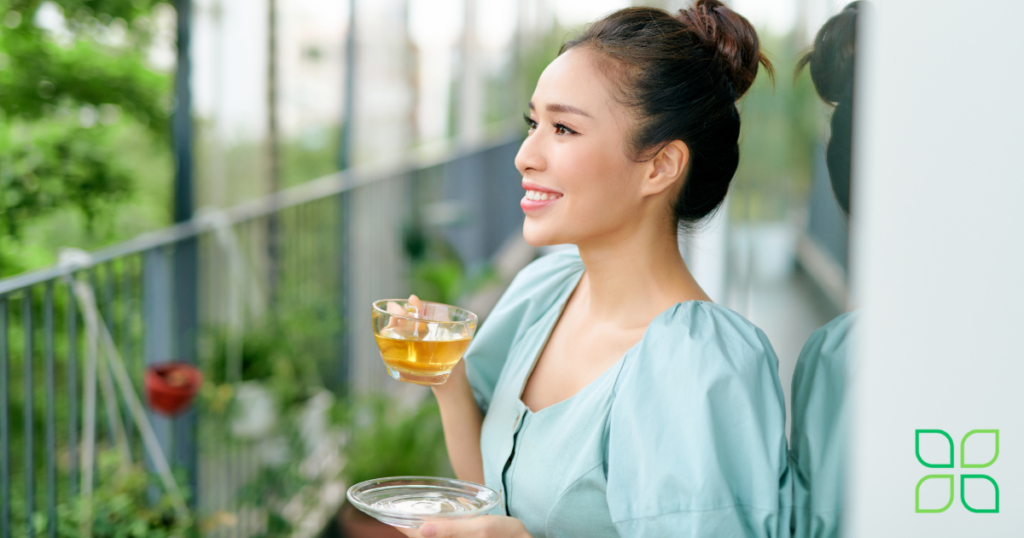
538	196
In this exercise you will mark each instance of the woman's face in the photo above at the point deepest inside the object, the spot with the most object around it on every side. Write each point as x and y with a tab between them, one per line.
575	157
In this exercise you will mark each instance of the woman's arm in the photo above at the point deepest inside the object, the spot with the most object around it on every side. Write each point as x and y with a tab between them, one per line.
462	421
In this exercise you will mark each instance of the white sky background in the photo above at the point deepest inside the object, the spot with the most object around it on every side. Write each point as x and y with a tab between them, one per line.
229	69
229	52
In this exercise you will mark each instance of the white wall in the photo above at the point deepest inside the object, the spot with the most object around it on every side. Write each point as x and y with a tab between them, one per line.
939	268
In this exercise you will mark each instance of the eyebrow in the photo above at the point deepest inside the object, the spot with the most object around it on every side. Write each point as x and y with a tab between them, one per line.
569	109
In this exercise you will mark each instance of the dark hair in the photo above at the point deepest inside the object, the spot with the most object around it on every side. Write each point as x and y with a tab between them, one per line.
831	62
681	76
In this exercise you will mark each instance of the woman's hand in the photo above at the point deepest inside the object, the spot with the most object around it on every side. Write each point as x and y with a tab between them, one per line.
402	325
481	527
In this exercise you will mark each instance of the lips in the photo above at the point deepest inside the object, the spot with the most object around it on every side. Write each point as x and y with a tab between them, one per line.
538	197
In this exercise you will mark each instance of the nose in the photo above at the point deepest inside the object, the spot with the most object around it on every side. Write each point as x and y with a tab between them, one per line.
531	155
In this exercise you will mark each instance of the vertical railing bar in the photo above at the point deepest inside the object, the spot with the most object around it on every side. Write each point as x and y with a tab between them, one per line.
5	437
51	433
72	336
26	324
101	409
122	299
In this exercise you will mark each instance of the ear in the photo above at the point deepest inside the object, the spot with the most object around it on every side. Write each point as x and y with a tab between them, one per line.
666	169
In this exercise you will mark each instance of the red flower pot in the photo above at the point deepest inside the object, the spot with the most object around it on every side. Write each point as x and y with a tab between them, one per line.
170	386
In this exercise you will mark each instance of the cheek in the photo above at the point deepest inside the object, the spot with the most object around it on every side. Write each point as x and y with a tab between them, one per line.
596	180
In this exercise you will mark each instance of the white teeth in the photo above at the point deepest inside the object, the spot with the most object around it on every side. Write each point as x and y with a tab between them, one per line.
540	196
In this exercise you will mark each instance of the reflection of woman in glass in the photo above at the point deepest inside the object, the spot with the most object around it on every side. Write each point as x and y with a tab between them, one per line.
820	406
606	395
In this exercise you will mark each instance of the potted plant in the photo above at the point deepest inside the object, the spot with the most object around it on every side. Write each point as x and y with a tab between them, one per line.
170	386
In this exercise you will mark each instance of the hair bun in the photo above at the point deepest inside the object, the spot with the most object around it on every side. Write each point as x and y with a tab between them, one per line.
732	39
832	57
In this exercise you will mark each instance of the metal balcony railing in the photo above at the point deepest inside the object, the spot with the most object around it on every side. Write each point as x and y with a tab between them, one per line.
340	242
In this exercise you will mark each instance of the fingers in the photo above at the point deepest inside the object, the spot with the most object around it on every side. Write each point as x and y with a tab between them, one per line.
467	528
411	533
481	527
395	309
442	530
417	303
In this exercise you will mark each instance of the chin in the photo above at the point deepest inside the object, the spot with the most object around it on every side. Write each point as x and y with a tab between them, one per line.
539	235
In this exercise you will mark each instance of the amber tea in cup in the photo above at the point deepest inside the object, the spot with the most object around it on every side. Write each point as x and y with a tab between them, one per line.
421	343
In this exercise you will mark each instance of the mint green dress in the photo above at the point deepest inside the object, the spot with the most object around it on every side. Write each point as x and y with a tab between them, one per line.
684	436
821	416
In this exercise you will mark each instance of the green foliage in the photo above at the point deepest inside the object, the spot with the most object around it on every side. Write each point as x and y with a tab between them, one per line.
388	441
41	76
285	351
437	272
120	507
437	280
64	98
81	12
53	163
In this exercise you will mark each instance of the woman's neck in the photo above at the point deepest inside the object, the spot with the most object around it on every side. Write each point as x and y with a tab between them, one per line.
633	277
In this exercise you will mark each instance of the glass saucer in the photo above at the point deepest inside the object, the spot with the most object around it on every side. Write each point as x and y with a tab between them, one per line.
411	501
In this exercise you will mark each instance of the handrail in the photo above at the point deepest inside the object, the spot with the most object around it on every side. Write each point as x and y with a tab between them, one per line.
310	191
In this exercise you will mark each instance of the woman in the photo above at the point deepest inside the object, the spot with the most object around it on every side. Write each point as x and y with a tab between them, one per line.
606	395
821	408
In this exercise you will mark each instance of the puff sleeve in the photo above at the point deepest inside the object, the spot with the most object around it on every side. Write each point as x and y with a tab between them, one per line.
696	435
821	417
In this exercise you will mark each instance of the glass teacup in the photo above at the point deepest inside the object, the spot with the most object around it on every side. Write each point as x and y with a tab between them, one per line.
421	341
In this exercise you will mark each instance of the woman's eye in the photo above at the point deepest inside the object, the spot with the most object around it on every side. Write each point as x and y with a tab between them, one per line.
530	124
562	129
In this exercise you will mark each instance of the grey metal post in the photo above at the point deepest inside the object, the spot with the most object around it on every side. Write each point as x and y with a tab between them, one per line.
182	120
185	252
343	373
51	433
185	332
348	106
157	321
273	156
26	324
72	336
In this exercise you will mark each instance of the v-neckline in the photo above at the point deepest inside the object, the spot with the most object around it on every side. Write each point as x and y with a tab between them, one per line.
551	329
544	344
537	352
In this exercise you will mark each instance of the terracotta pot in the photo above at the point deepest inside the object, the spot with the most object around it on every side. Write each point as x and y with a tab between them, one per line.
170	386
355	524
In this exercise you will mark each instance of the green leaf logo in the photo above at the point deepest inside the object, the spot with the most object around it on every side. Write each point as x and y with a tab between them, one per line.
917	494
963	489
978	479
917	449
963	450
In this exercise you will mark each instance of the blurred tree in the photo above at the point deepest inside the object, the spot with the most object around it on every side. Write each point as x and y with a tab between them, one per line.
64	83
781	128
